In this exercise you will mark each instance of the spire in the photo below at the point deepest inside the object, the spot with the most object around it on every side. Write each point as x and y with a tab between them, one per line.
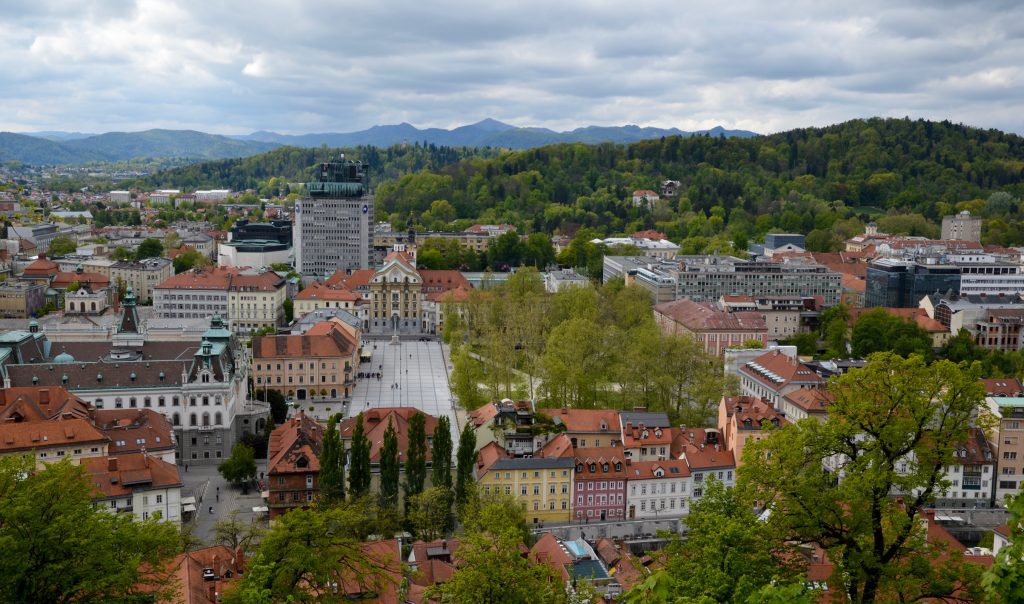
129	316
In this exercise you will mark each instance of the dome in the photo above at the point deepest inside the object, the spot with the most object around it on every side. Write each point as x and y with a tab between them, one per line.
63	358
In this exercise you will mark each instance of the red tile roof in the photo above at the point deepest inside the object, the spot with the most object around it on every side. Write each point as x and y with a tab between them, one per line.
811	400
224	278
375	423
115	476
318	291
325	339
299	438
42	266
697	316
599	456
559	446
24	436
37	403
585	420
775	370
92	280
487	455
701	455
548	550
1003	387
139	429
755	409
646	470
443	280
187	574
359	278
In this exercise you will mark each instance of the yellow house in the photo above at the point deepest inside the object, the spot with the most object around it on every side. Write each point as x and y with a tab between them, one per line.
318	296
543	486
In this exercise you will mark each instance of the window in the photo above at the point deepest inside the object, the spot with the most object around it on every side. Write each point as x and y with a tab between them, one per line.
159	498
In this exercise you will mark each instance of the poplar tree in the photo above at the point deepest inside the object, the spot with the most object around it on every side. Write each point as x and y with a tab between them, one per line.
359	474
441	454
332	465
416	457
466	459
389	466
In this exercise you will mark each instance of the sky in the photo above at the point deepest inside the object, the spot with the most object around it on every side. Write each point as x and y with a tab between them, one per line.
297	66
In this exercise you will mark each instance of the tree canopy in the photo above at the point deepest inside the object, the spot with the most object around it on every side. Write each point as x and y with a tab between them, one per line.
892	429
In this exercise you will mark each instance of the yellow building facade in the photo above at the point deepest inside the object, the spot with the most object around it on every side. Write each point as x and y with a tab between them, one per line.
543	486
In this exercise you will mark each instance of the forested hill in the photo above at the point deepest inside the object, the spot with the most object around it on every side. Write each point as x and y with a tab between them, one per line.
295	164
733	189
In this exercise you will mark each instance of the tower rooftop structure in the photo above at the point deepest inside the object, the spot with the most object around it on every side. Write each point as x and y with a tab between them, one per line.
339	177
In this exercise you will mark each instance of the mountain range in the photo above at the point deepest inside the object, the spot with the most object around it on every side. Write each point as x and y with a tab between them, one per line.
56	147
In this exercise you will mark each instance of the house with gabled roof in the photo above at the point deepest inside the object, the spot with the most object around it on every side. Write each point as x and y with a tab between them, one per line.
599	484
293	464
742	419
658	489
773	375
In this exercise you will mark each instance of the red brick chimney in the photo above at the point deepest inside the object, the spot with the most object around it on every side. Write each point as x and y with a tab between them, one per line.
239	560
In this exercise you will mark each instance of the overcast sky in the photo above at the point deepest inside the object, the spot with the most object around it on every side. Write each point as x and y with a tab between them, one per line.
296	66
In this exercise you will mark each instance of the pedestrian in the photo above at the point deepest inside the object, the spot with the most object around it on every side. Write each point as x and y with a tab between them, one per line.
218	497
186	467
211	509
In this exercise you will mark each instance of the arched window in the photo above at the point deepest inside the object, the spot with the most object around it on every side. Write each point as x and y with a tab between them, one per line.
192	420
206	418
218	419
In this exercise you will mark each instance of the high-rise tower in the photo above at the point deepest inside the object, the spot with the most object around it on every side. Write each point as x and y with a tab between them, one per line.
333	226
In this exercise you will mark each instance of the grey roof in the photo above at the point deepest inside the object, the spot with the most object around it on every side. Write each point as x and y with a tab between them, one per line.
533	463
586	569
650	419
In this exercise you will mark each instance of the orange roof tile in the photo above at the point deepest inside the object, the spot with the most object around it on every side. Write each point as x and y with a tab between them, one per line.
375	423
325	339
298	438
697	316
318	291
585	420
115	476
24	436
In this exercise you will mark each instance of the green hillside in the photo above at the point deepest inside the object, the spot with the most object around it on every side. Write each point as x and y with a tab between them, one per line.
295	164
823	181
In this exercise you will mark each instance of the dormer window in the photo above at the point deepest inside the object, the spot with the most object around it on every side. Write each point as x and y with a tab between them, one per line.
618	467
593	467
604	468
657	433
302	462
579	468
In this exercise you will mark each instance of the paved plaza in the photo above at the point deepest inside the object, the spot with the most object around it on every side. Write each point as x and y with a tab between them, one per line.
209	488
413	374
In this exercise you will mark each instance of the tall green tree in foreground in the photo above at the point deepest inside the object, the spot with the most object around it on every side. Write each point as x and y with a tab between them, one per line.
416	457
60	548
305	555
466	457
1004	582
441	454
389	468
892	429
359	455
728	554
332	465
490	568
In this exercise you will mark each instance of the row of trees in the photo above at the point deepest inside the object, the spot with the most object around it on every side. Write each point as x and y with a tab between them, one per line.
582	347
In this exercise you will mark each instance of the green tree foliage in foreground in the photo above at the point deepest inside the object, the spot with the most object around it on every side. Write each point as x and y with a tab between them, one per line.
441	454
359	456
305	554
416	457
389	469
1004	582
728	555
490	568
332	465
240	466
59	548
893	428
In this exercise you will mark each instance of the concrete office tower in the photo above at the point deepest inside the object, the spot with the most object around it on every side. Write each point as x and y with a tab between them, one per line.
333	226
962	226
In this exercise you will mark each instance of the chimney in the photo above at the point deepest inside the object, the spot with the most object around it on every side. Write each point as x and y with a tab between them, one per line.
112	464
928	515
44	396
239	560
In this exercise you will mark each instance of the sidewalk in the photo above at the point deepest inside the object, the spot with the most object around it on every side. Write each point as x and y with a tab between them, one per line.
211	490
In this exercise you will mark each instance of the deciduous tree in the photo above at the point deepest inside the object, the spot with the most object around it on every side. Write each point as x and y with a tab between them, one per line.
240	466
892	429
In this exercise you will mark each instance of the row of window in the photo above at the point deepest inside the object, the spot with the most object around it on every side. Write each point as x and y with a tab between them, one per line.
601	486
600	499
162	401
323	365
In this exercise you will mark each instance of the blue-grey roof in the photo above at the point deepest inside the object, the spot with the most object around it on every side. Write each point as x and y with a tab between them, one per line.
533	463
650	419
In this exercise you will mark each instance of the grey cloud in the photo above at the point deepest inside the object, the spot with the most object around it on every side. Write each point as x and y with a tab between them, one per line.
317	65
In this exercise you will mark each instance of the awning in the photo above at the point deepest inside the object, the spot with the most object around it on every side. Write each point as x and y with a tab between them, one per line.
188	507
260	509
